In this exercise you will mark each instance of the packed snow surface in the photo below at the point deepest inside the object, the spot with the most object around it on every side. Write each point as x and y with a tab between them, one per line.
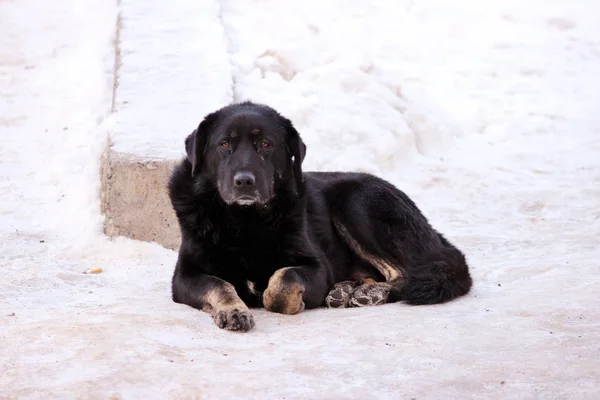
485	113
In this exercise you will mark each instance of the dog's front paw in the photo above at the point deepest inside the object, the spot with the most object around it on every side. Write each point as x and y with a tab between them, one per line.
234	320
370	295
284	293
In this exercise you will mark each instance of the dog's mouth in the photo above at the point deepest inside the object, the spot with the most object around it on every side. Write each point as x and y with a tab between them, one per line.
245	200
244	197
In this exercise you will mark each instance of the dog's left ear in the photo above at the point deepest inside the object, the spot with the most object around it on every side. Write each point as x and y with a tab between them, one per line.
298	150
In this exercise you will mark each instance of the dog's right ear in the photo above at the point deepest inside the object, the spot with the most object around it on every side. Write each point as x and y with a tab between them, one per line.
297	149
190	144
195	143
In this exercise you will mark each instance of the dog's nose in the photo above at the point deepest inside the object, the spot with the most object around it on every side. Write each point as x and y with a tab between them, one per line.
244	179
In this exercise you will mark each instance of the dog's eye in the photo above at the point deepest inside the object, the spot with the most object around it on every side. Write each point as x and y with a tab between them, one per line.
225	144
264	145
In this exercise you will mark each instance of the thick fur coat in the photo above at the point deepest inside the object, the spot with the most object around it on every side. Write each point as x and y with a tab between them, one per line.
258	231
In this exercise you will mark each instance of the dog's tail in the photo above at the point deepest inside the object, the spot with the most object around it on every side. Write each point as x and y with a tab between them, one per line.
439	277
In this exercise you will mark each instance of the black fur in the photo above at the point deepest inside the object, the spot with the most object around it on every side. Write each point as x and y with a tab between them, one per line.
330	224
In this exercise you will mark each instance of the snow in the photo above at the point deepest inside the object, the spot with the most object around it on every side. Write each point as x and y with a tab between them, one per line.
485	113
173	61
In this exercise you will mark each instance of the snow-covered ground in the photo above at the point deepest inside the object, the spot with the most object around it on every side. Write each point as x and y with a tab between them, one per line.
486	113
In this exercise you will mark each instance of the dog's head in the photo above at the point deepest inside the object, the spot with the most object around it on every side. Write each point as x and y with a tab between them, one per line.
247	151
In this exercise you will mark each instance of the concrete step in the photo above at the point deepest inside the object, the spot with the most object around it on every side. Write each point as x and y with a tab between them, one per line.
171	70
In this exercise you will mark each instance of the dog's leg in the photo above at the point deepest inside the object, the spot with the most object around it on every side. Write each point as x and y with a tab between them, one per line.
292	289
216	297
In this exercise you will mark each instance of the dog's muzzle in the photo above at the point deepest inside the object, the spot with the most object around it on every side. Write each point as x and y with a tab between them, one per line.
244	188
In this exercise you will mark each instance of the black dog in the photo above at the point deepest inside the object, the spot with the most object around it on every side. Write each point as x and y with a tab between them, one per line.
257	231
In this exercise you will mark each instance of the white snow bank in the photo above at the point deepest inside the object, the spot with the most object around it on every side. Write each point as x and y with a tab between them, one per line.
380	65
408	76
57	62
521	197
173	70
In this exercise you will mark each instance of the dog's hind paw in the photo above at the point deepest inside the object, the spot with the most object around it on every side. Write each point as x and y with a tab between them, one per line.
339	296
370	295
234	320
